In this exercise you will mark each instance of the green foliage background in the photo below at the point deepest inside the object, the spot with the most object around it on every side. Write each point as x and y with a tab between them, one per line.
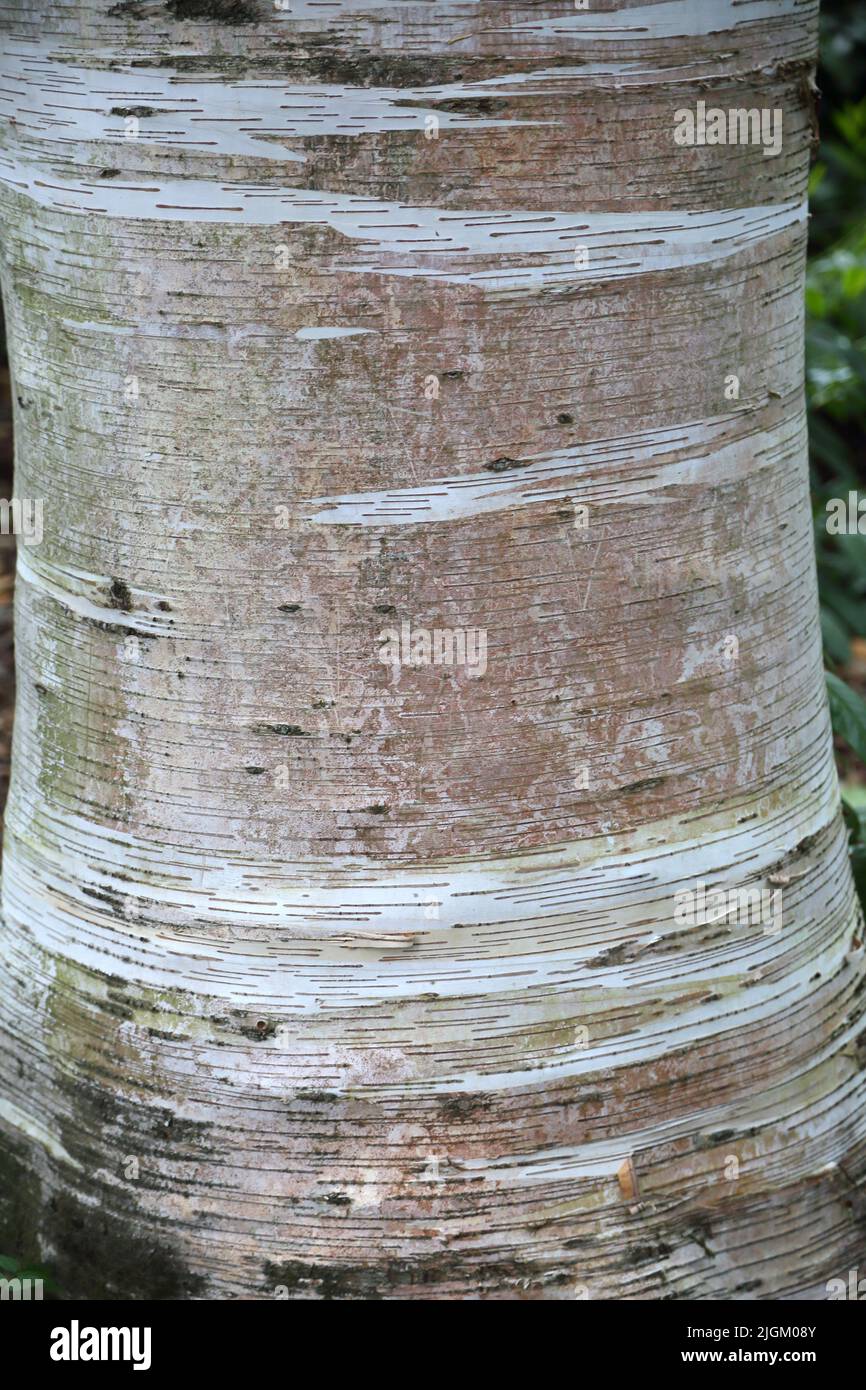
836	319
836	385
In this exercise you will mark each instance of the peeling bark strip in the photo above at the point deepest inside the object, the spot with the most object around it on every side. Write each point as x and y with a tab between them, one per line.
332	977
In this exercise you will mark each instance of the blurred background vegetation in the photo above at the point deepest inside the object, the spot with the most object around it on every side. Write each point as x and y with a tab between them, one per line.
836	388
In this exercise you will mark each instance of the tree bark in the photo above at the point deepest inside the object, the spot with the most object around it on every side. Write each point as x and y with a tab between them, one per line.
332	976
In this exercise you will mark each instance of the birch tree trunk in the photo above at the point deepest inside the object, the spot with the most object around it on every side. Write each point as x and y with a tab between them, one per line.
425	605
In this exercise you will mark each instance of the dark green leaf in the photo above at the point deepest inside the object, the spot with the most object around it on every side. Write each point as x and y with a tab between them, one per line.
848	713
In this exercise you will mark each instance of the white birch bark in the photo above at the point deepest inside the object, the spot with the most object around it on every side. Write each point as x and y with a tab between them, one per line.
330	978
